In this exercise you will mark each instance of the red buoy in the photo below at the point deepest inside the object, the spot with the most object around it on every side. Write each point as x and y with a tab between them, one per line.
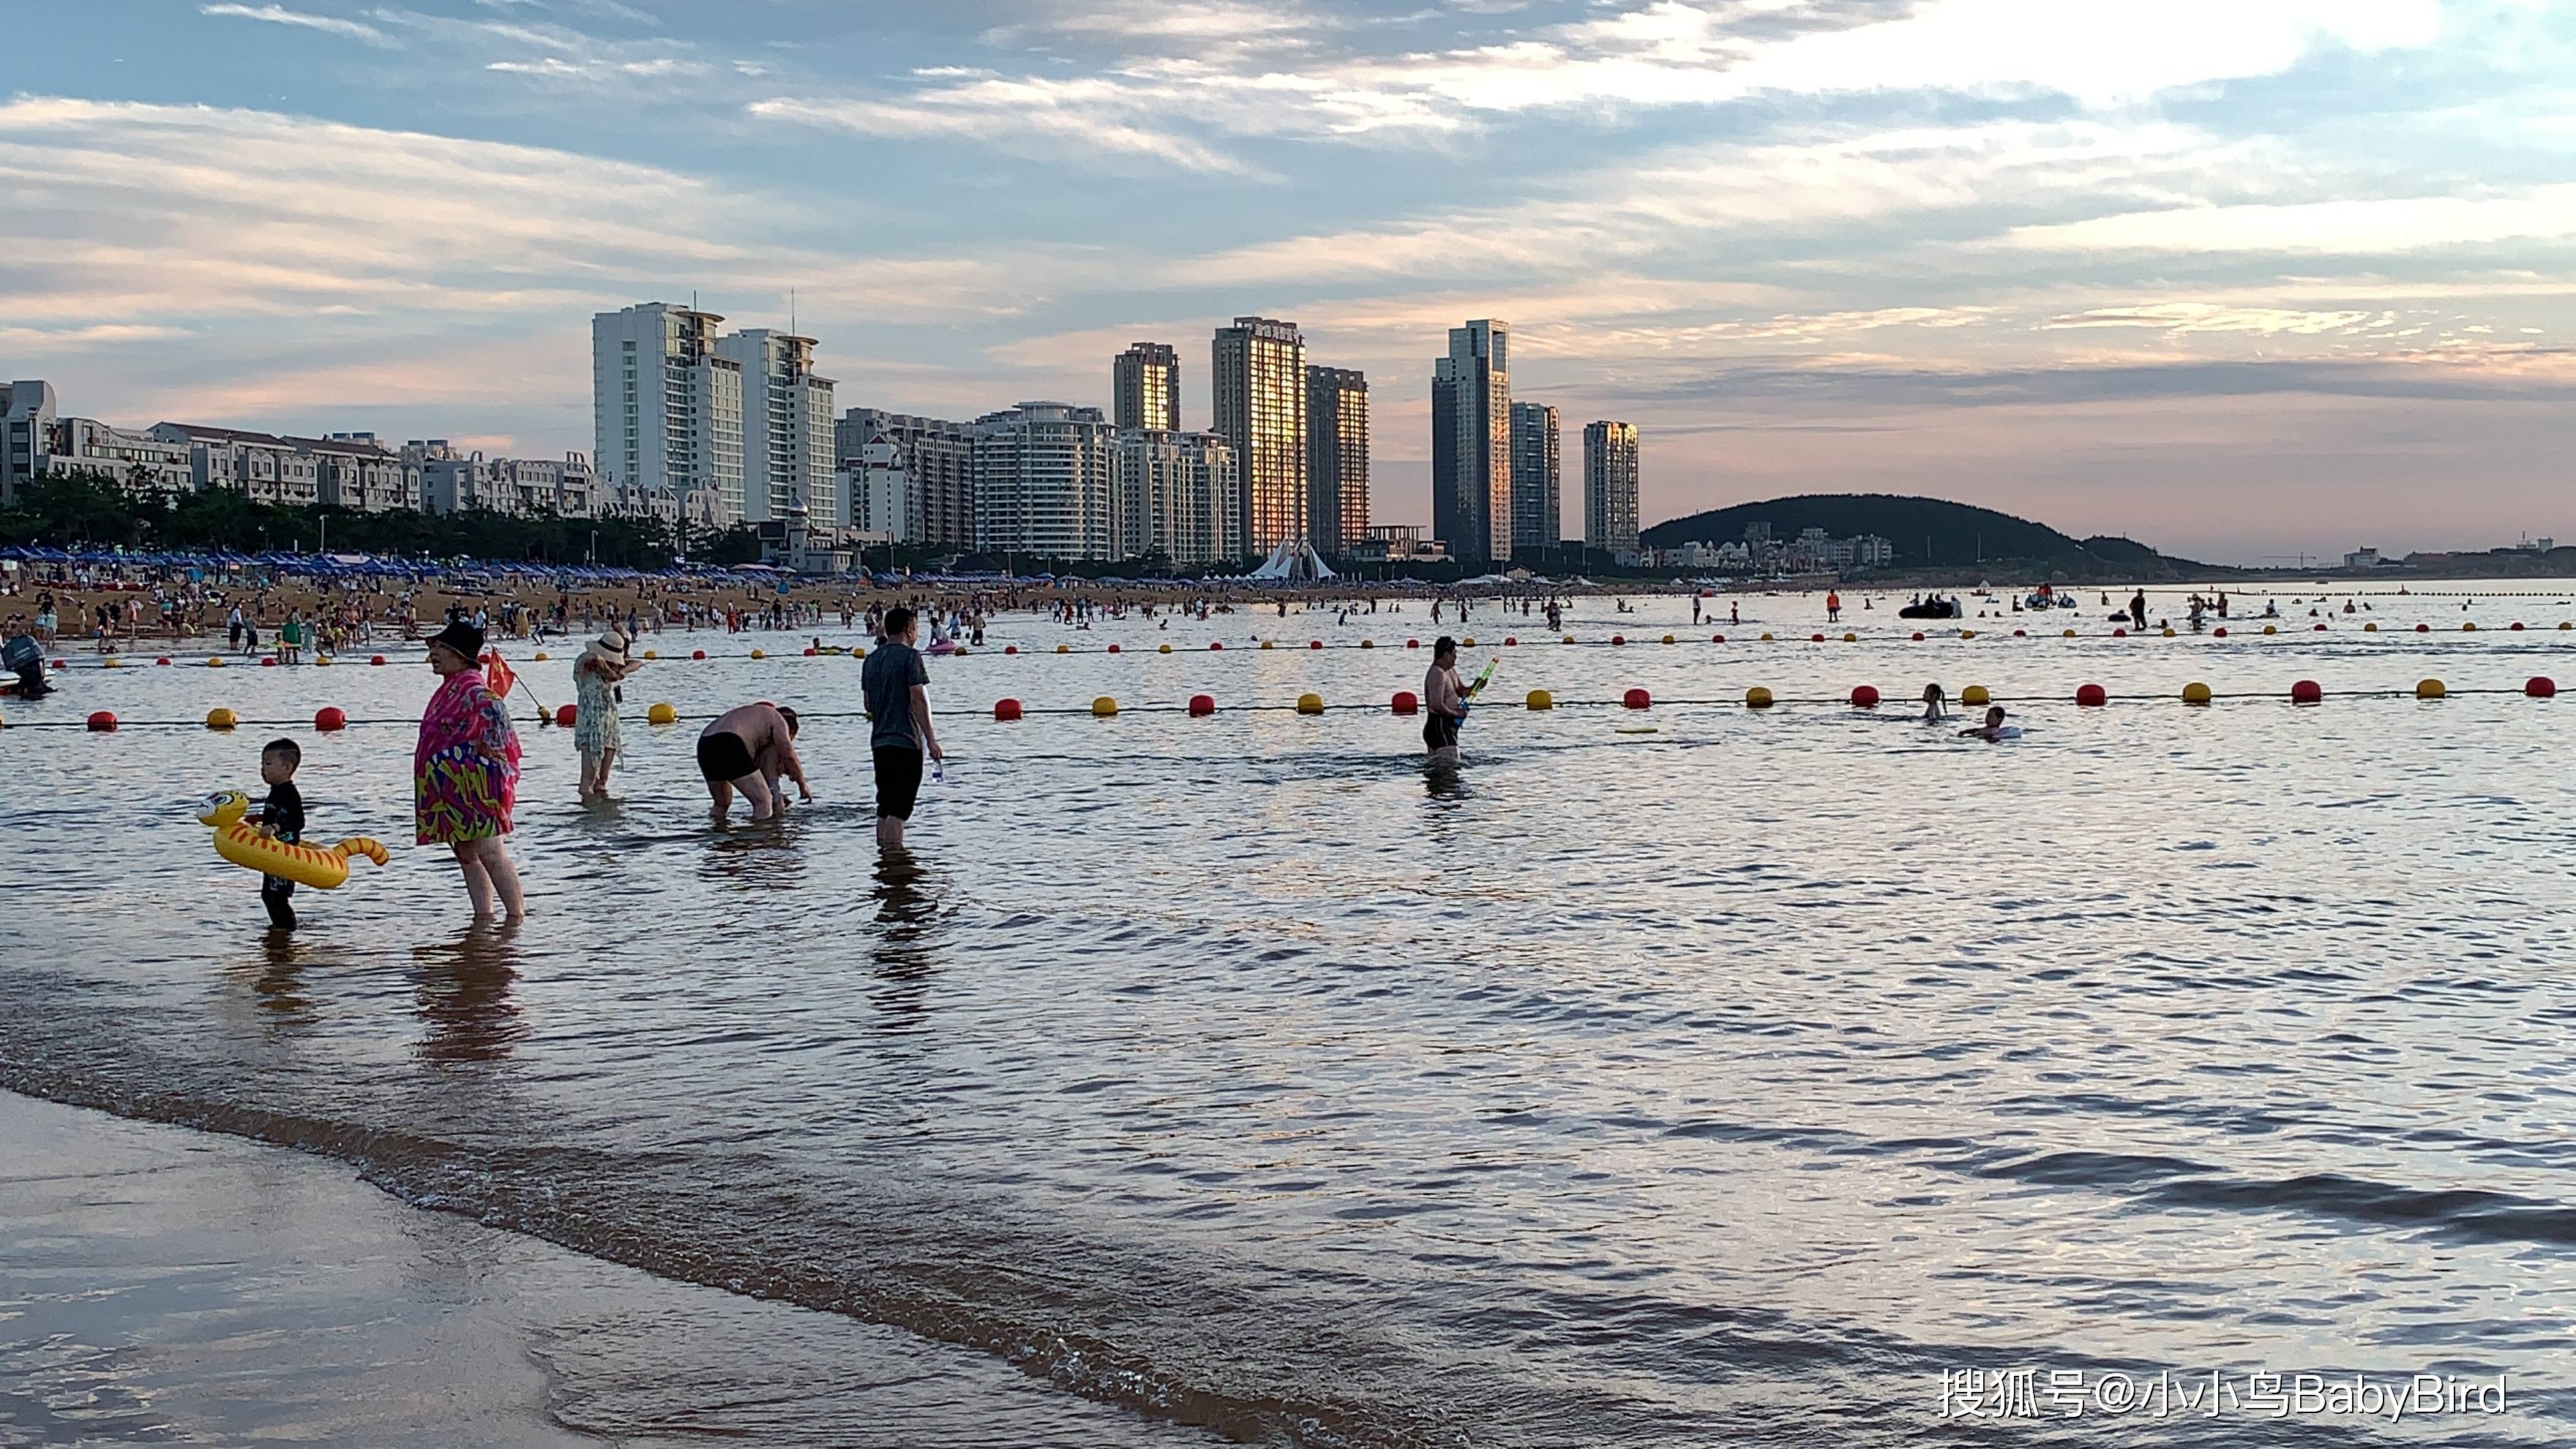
1314	643
1717	638
567	715
377	659
330	719
1637	699
2307	691
1412	643
2092	694
1618	638
1216	643
1509	641
1815	638
1202	704
1865	697
697	654
268	662
1010	648
1113	648
2423	628
1006	709
1405	703
164	659
2119	633
2320	628
2219	632
2541	686
2516	627
103	722
809	651
2021	633
1918	636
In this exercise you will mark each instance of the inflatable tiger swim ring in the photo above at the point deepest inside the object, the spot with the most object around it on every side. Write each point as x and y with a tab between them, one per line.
240	842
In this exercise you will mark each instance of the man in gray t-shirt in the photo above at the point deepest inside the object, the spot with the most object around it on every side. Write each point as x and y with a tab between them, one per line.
895	685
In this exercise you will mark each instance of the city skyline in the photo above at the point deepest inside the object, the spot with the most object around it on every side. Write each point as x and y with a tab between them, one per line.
2281	276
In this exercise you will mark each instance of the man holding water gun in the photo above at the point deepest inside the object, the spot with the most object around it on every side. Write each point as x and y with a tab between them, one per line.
1446	700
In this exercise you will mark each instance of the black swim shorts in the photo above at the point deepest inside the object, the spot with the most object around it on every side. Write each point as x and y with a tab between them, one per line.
1440	732
898	780
723	756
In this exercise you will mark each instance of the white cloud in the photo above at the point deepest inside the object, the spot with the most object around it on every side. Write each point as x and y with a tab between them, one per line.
2358	228
1080	117
280	15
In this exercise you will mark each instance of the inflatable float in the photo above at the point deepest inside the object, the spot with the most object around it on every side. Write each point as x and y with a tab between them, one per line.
240	842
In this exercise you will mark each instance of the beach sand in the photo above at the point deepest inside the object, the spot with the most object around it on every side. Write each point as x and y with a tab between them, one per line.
160	1285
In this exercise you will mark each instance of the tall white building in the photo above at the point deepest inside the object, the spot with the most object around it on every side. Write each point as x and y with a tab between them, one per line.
1610	489
787	452
1259	387
878	492
1042	481
1537	468
1173	494
667	408
27	418
1471	444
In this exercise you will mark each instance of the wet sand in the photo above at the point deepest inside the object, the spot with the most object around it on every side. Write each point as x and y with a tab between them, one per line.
160	1285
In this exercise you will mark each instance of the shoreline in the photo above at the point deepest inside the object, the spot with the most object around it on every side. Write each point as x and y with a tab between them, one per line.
169	1283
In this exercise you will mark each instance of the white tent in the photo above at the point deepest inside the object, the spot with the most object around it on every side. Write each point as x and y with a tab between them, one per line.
1294	562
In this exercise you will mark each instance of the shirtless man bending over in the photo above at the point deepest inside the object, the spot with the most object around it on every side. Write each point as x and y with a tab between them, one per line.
749	749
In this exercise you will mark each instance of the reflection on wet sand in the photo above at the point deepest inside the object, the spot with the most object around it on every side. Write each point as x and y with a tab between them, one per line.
463	988
279	979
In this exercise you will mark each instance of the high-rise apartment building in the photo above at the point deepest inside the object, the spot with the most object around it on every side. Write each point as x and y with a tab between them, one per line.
667	408
1337	458
1260	391
1042	481
936	455
788	452
1610	489
28	413
1536	474
1173	494
1471	444
1147	378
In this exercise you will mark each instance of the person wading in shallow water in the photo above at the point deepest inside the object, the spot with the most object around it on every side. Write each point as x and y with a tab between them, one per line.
1444	700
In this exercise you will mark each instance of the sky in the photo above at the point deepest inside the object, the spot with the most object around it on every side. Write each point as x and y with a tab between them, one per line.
2237	278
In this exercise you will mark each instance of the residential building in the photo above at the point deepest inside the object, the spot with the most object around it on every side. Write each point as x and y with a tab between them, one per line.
1396	543
1260	392
1147	386
1337	457
667	408
27	419
877	492
454	480
1471	444
1173	495
1536	470
1042	482
623	498
262	467
1610	489
139	460
938	457
788	452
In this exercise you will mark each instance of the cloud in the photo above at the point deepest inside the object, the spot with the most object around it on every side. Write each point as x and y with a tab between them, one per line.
1079	118
2348	228
280	15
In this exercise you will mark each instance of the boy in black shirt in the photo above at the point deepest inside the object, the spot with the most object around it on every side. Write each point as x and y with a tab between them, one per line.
281	816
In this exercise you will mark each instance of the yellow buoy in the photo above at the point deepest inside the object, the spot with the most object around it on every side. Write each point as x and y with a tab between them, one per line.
1310	703
1569	638
2271	628
2069	634
2468	628
1851	638
1265	643
652	653
324	660
2429	689
112	662
1541	699
220	718
1757	697
662	714
1668	638
1062	649
541	656
1967	633
1467	643
858	652
2562	625
2195	693
2169	633
2374	628
1368	644
1766	638
1975	696
1104	707
214	661
1166	649
759	654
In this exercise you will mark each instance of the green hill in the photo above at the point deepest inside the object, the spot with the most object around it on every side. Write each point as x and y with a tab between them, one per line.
1930	533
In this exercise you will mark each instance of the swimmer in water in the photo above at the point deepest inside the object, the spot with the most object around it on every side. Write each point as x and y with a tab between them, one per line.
1992	730
1933	699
